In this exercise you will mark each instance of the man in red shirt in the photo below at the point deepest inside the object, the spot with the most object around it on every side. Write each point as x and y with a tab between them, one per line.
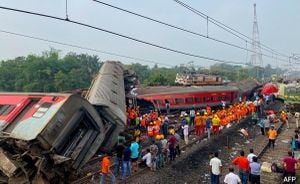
243	165
172	141
289	165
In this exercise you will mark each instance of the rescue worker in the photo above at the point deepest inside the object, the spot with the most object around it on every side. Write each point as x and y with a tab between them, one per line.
283	117
203	123
150	132
216	124
105	169
198	123
272	136
172	142
155	129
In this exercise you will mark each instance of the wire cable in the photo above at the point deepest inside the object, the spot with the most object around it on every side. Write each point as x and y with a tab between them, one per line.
182	29
85	48
125	36
227	28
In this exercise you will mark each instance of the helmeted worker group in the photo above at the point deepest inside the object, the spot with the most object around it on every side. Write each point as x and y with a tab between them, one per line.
164	137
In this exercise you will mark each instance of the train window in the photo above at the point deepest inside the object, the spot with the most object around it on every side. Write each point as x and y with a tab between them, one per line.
198	99
42	110
6	109
158	101
179	100
206	99
189	100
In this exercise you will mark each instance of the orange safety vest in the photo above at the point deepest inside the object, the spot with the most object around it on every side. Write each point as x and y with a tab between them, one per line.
105	165
198	120
203	120
272	134
143	122
156	130
150	131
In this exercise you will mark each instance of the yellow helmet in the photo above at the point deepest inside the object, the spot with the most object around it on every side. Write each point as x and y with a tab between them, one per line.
157	137
198	113
162	136
172	131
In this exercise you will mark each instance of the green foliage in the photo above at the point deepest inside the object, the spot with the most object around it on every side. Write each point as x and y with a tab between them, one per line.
48	72
51	73
166	76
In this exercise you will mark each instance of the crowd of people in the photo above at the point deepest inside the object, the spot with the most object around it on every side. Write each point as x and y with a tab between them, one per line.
163	136
249	168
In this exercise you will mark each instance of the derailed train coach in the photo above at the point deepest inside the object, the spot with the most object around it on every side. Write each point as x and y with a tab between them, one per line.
46	136
183	97
107	95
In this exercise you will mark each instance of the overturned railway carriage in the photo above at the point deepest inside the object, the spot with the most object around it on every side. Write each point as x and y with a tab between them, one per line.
107	94
181	97
46	136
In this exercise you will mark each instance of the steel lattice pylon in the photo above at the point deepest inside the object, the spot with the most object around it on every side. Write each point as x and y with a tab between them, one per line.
256	56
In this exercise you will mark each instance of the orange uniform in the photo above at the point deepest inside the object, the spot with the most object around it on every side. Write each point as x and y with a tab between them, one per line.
105	165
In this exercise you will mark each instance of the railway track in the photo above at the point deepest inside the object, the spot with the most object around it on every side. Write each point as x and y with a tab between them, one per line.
192	162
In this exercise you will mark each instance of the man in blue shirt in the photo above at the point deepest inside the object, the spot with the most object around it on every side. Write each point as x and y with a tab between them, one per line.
208	126
255	171
134	147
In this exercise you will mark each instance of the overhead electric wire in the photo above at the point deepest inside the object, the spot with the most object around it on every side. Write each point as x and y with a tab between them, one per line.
124	36
181	29
227	28
84	48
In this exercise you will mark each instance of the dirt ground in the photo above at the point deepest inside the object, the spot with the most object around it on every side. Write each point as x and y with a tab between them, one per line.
193	165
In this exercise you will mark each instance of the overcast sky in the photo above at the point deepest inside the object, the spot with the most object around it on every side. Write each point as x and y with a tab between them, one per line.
278	23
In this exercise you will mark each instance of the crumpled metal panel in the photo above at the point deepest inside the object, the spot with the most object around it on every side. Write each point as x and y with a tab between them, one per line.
6	165
108	89
30	128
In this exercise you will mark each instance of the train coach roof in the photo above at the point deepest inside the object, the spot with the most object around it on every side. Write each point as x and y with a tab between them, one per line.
108	89
157	90
246	85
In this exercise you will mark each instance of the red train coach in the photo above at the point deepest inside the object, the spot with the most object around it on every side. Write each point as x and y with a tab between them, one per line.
181	97
52	128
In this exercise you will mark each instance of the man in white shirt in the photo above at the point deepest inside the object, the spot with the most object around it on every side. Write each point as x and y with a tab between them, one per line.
215	168
251	155
297	117
147	158
232	178
186	133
